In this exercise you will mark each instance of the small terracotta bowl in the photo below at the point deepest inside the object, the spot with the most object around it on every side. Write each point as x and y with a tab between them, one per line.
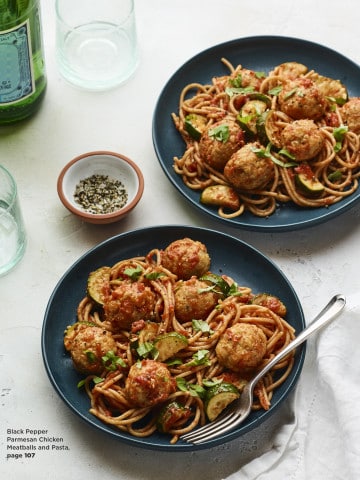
94	182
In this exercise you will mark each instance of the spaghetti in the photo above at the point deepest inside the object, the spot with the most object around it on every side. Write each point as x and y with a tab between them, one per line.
154	370
302	126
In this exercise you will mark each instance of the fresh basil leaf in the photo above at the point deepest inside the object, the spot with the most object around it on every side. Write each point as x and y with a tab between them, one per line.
220	133
154	275
201	326
339	134
134	273
334	176
275	91
147	349
201	357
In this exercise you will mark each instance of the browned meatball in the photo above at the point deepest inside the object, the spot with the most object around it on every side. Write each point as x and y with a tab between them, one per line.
186	258
350	113
290	70
271	302
301	98
149	383
220	141
245	78
129	303
87	345
241	347
303	139
247	171
193	300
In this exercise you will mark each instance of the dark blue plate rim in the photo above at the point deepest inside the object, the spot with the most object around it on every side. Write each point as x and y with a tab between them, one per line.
259	53
245	263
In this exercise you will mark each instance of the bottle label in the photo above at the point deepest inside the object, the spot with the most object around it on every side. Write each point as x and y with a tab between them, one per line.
16	75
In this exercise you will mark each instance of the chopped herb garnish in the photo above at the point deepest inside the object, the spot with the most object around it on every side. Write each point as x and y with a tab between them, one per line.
221	133
201	326
334	176
201	357
96	380
210	383
90	356
154	275
339	135
147	349
260	152
275	91
112	361
195	390
238	90
134	273
219	285
291	93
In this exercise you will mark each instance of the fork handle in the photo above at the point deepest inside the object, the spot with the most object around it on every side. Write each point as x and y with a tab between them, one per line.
327	314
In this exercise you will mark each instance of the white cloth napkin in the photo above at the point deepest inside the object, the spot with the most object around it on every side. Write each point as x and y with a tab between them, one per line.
321	439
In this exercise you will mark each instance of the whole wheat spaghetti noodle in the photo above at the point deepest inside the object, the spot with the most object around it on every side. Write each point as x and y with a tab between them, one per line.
311	164
136	380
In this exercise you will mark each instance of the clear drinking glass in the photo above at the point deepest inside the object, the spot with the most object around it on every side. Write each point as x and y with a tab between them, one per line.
96	42
12	230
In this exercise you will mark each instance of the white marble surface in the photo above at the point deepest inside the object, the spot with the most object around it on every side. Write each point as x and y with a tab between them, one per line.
309	437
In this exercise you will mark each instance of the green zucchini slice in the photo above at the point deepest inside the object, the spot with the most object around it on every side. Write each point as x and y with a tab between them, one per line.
169	344
218	398
195	125
309	186
221	196
95	284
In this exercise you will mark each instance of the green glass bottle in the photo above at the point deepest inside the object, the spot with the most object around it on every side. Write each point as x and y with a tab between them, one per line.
22	64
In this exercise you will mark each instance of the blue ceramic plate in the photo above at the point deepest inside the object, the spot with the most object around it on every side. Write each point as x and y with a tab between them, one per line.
229	255
259	54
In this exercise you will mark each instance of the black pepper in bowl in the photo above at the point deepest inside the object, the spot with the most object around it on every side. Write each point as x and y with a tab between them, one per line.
100	194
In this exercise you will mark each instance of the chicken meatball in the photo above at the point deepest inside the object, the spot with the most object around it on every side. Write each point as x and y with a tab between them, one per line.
351	114
241	347
186	258
87	345
247	171
193	300
290	70
303	139
128	303
149	383
245	78
301	98
271	302
220	141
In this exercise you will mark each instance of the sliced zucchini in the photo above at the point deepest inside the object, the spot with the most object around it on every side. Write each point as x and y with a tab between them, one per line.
96	282
248	116
218	398
260	128
260	97
273	131
309	185
149	332
169	344
170	415
221	196
195	125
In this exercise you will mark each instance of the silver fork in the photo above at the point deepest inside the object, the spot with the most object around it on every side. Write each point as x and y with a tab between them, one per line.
238	411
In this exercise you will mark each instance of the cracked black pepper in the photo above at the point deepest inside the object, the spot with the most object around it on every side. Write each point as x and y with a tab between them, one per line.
100	194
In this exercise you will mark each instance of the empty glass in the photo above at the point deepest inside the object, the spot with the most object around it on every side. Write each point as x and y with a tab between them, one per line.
12	231
96	42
